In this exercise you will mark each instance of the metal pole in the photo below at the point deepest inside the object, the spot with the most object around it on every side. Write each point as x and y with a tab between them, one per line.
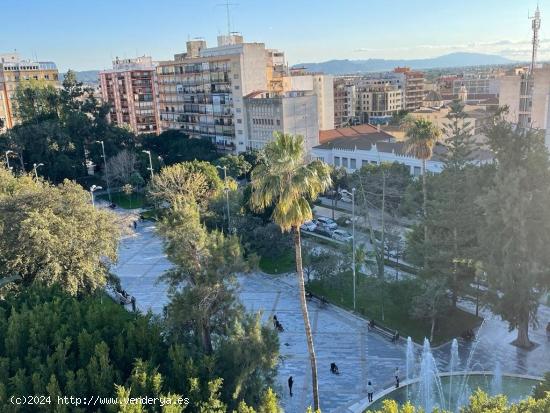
35	167
353	240
150	163
8	160
105	170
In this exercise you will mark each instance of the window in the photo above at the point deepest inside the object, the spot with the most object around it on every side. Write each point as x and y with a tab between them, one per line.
239	121
416	171
237	87
364	163
336	161
353	164
345	162
238	110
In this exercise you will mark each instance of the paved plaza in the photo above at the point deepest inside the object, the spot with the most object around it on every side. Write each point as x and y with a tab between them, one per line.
339	336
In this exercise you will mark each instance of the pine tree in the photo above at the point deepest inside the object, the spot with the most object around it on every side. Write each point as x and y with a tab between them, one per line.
517	226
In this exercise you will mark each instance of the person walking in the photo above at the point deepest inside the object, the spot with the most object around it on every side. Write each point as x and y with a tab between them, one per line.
370	391
396	374
290	383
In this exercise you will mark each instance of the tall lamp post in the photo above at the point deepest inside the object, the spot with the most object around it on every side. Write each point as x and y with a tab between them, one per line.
353	240
150	162
8	159
94	188
35	167
105	169
226	190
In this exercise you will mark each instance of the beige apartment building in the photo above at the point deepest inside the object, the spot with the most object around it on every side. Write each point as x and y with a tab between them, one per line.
293	112
345	102
201	92
131	91
524	109
14	71
413	87
377	101
321	85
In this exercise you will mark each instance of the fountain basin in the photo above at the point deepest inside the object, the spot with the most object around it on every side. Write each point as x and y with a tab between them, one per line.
515	387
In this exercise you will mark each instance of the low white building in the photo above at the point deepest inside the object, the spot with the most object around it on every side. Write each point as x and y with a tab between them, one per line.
358	146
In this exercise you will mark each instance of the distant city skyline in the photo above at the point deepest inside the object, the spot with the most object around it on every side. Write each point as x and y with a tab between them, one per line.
89	35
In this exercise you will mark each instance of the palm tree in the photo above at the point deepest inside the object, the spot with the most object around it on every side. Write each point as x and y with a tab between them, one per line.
287	182
422	137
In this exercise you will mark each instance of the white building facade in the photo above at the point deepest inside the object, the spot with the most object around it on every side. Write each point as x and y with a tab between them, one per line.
290	112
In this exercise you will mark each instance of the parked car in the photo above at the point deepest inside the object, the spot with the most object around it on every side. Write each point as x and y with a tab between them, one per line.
326	222
308	226
346	196
341	235
322	230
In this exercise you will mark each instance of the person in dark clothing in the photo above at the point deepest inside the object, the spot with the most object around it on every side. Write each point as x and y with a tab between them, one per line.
275	320
133	301
279	326
370	391
334	368
135	224
396	374
290	383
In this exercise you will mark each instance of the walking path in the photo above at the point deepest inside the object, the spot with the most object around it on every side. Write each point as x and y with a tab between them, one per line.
339	336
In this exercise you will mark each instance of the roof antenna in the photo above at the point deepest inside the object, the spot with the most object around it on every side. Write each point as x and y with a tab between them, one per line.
227	6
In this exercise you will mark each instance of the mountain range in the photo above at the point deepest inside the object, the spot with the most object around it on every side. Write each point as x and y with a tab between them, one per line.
346	66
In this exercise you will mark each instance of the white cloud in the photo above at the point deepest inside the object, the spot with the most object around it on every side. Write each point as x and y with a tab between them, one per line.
513	49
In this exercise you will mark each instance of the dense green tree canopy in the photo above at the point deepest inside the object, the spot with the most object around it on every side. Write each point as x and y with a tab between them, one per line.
198	180
52	234
59	128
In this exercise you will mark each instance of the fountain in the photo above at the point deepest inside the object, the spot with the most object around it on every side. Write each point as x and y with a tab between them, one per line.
409	367
496	383
431	389
455	361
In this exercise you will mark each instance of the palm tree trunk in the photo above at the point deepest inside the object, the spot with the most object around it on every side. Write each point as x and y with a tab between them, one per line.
424	209
305	315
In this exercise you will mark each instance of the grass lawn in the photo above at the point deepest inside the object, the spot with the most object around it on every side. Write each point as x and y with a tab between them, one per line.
280	265
120	199
390	304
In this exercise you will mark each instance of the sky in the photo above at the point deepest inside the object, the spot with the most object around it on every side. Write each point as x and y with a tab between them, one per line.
88	34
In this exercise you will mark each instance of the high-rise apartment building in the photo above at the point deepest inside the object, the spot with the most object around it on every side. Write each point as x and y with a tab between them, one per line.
321	85
14	71
345	98
131	91
527	104
292	112
378	100
201	92
413	87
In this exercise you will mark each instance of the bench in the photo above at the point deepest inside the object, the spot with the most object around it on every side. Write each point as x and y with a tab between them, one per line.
382	330
320	299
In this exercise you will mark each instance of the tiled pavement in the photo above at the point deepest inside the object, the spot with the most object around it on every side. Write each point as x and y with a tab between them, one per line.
338	335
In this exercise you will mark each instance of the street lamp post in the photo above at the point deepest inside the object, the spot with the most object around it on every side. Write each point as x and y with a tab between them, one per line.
94	188
35	167
105	170
353	240
150	162
8	159
226	190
